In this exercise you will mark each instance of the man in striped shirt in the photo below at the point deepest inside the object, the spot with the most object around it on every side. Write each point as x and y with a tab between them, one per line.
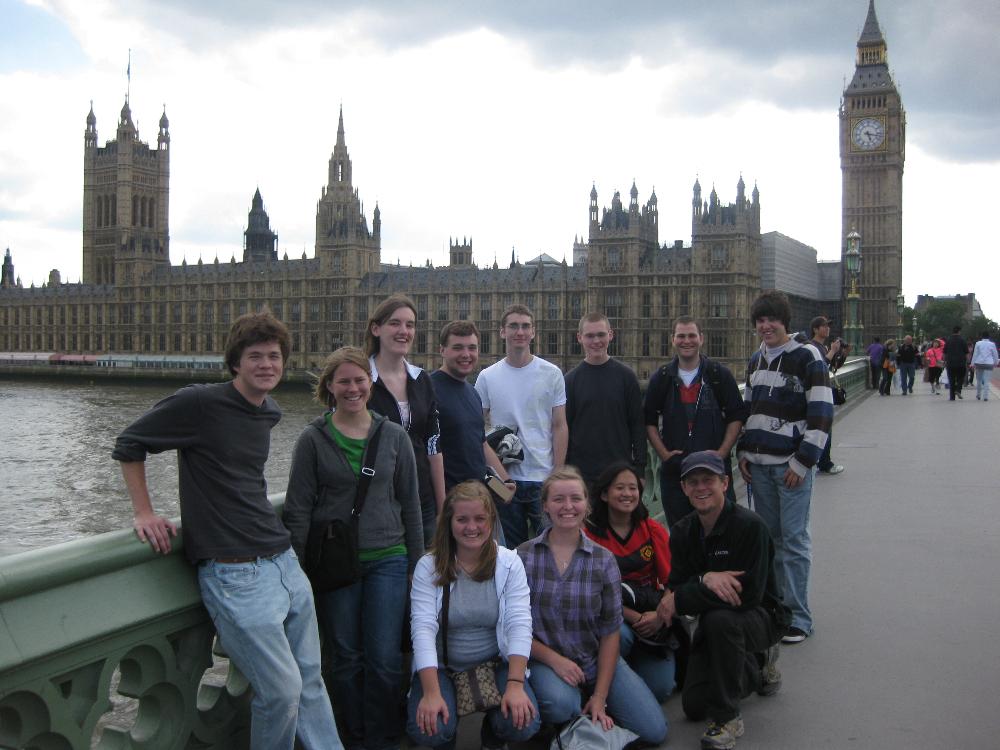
791	410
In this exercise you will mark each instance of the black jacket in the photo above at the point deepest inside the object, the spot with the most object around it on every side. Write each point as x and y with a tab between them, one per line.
738	541
424	430
719	404
956	351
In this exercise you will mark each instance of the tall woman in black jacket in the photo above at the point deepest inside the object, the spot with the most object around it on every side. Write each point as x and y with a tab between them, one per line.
403	393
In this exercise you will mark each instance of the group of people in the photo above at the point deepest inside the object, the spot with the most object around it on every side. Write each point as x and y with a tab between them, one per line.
961	361
542	564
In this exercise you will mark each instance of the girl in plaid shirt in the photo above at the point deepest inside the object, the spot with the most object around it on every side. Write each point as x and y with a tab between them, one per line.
576	611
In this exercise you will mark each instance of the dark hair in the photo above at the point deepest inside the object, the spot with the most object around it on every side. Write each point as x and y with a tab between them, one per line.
956	329
255	328
444	546
772	304
516	310
458	328
684	320
382	313
599	520
818	322
594	317
344	355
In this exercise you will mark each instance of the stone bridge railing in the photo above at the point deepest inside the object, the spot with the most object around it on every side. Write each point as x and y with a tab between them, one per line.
104	644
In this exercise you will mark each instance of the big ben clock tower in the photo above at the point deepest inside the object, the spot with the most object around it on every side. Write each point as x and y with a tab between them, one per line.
872	150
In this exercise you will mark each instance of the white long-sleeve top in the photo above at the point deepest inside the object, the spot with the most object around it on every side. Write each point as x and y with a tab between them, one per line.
985	353
513	623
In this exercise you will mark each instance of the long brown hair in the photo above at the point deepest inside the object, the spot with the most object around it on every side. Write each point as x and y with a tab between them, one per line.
382	313
445	547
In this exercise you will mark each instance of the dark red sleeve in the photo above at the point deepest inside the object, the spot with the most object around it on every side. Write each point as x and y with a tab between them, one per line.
660	539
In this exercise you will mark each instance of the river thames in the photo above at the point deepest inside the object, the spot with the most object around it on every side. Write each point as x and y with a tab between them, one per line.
59	481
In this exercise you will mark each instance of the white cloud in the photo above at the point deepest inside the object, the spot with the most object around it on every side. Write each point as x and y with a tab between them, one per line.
472	131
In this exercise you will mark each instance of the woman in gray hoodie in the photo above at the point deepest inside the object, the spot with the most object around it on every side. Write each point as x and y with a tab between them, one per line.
363	622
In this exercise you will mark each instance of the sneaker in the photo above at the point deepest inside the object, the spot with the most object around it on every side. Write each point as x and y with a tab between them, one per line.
835	469
960	395
794	635
722	736
770	675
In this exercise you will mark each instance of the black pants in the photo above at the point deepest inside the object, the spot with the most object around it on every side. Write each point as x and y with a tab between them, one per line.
956	377
825	461
723	666
886	385
876	370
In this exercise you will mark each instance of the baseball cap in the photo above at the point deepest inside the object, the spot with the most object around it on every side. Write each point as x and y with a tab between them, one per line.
703	460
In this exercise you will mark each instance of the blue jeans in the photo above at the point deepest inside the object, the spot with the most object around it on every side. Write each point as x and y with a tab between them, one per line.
630	703
524	508
496	728
907	372
786	514
983	377
266	620
363	624
656	668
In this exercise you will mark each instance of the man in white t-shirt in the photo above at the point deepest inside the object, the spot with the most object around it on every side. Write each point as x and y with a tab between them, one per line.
528	394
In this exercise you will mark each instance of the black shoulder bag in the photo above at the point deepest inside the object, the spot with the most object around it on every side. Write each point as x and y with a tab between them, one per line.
332	546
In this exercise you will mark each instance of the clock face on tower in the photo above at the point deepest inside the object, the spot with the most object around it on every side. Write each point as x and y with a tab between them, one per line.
868	133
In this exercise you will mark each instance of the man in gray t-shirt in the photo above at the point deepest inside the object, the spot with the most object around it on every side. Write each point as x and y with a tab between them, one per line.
250	580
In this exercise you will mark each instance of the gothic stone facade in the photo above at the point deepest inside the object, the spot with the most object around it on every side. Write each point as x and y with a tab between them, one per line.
131	299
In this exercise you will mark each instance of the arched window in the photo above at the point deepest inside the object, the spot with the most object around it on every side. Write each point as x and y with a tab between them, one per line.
99	206
135	210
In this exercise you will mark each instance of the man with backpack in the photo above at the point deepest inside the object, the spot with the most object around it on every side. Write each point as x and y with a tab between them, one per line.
692	404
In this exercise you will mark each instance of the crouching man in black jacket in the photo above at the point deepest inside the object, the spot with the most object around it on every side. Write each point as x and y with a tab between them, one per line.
722	571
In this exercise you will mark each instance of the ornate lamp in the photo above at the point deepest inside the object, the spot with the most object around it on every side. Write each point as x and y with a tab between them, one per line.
853	259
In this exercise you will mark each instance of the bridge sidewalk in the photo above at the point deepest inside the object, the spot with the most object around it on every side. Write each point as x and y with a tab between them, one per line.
904	592
906	555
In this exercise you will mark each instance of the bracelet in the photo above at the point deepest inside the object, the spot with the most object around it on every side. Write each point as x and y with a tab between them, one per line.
515	679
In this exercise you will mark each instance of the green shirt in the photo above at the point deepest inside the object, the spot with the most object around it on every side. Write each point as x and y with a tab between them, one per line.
354	452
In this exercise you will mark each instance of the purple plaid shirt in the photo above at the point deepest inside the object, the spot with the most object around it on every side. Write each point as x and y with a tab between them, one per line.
572	612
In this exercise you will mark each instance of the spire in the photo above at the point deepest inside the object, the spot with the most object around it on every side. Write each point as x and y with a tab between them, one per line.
90	134
340	128
871	34
7	278
871	72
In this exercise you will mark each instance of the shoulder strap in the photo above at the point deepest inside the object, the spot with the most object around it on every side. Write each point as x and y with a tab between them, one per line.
446	597
367	472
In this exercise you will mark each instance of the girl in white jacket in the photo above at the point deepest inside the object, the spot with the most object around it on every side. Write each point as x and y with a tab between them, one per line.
489	617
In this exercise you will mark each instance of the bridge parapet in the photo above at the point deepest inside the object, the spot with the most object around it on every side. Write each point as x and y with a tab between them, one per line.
101	628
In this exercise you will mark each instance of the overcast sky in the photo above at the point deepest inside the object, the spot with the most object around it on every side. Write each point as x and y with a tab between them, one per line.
493	119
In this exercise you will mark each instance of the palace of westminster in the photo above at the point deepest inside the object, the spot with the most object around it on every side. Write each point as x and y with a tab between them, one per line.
131	299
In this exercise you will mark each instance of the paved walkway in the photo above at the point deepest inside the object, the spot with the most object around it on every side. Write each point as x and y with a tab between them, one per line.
905	591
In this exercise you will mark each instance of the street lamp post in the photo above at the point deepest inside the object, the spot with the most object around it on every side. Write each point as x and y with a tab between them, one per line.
854	329
914	329
900	305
